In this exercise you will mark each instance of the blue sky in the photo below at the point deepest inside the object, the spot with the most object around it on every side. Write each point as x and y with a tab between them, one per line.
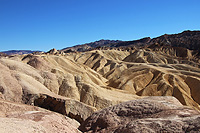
46	24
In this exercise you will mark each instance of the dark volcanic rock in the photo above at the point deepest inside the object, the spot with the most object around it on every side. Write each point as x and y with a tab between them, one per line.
186	39
152	114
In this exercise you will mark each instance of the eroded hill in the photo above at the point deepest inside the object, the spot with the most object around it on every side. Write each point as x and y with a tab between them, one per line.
145	72
101	78
77	84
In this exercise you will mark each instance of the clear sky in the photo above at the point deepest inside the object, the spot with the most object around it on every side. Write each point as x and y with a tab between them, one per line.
46	24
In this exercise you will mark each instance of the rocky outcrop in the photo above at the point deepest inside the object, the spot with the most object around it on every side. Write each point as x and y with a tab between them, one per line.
65	106
152	114
52	51
20	118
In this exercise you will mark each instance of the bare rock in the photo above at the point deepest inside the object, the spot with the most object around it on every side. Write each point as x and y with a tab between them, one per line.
52	51
152	114
66	106
68	87
9	87
50	81
21	118
36	62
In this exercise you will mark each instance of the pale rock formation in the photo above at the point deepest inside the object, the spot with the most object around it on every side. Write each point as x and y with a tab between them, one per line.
24	84
152	76
79	82
97	79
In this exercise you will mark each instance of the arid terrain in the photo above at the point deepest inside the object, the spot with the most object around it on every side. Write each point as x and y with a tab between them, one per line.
146	85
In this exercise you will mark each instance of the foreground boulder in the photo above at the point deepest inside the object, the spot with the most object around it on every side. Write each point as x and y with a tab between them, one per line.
21	118
66	106
152	114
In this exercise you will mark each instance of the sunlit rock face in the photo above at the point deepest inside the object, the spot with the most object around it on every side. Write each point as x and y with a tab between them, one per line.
101	78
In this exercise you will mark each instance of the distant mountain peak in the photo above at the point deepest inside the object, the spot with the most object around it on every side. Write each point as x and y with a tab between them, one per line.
187	39
91	45
19	52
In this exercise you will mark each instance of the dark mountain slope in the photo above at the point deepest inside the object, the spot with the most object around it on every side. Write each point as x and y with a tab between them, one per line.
91	45
19	52
187	39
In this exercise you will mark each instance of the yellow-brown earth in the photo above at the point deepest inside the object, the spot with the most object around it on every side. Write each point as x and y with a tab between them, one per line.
102	78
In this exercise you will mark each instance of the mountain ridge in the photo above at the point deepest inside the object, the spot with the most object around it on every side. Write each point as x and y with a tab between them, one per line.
187	39
19	52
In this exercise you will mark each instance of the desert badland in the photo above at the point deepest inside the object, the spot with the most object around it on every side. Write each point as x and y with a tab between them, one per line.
146	85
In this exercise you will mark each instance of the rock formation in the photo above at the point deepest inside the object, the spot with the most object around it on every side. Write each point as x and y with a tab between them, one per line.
144	72
152	114
21	118
52	51
23	84
102	78
106	73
